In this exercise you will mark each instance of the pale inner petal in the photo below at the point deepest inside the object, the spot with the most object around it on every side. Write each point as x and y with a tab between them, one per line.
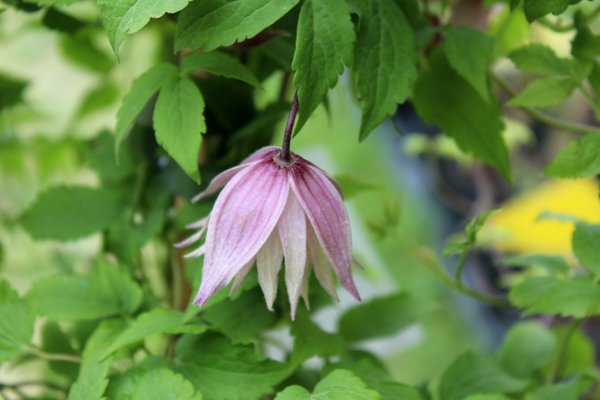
322	266
240	276
268	262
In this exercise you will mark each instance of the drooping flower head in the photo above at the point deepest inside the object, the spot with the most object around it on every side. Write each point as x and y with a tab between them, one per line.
271	211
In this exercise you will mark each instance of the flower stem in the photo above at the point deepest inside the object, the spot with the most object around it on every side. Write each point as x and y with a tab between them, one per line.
289	130
53	356
559	365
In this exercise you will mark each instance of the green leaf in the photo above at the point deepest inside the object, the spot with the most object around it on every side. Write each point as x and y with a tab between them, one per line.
541	59
324	43
11	90
59	21
555	264
242	319
443	98
310	340
209	24
104	292
124	17
16	324
352	186
224	371
535	9
179	123
580	159
487	397
474	374
54	340
464	244
142	90
394	313
585	45
338	385
69	213
469	52
528	347
384	61
544	93
163	384
560	391
586	245
219	63
576	297
149	323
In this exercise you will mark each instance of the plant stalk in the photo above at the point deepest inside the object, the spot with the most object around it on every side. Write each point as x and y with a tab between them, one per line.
285	154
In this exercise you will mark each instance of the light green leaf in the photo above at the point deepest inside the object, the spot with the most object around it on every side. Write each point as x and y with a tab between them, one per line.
464	244
225	371
394	312
310	340
163	384
527	347
469	52
352	186
69	213
209	24
443	98
384	61
535	9
586	245
16	324
338	385
544	93
142	90
474	374
541	59
106	291
124	17
324	43
576	297
219	63
580	159
179	123
560	391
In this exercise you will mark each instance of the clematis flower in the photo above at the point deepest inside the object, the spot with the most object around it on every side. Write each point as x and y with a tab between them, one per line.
271	211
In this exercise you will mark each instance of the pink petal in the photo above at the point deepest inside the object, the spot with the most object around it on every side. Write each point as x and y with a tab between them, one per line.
237	281
196	253
322	266
326	212
268	262
261	154
192	239
242	219
292	231
198	224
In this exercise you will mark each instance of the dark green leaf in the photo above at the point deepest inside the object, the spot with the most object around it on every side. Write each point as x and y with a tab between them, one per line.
469	52
323	45
338	385
475	374
580	159
535	9
142	90
82	51
124	17
209	24
219	63
527	347
442	97
384	61
16	324
310	340
544	93
68	213
59	21
585	45
11	90
394	313
106	291
179	123
54	340
586	245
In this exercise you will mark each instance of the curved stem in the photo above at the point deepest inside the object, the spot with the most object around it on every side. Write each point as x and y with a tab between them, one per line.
48	385
53	356
546	119
289	130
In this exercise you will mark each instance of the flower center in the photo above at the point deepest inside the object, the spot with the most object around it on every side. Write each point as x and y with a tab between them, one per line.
281	163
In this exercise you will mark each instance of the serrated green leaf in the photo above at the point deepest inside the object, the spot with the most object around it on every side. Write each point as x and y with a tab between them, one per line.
394	312
544	93
586	246
541	59
338	385
179	123
324	42
474	374
535	9
69	213
209	24
163	384
142	90
527	347
580	159
124	17
225	371
16	324
442	97
384	61
469	52
310	340
575	297
104	292
219	63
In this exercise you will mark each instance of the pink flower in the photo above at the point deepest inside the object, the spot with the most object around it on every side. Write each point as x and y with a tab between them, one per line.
272	211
